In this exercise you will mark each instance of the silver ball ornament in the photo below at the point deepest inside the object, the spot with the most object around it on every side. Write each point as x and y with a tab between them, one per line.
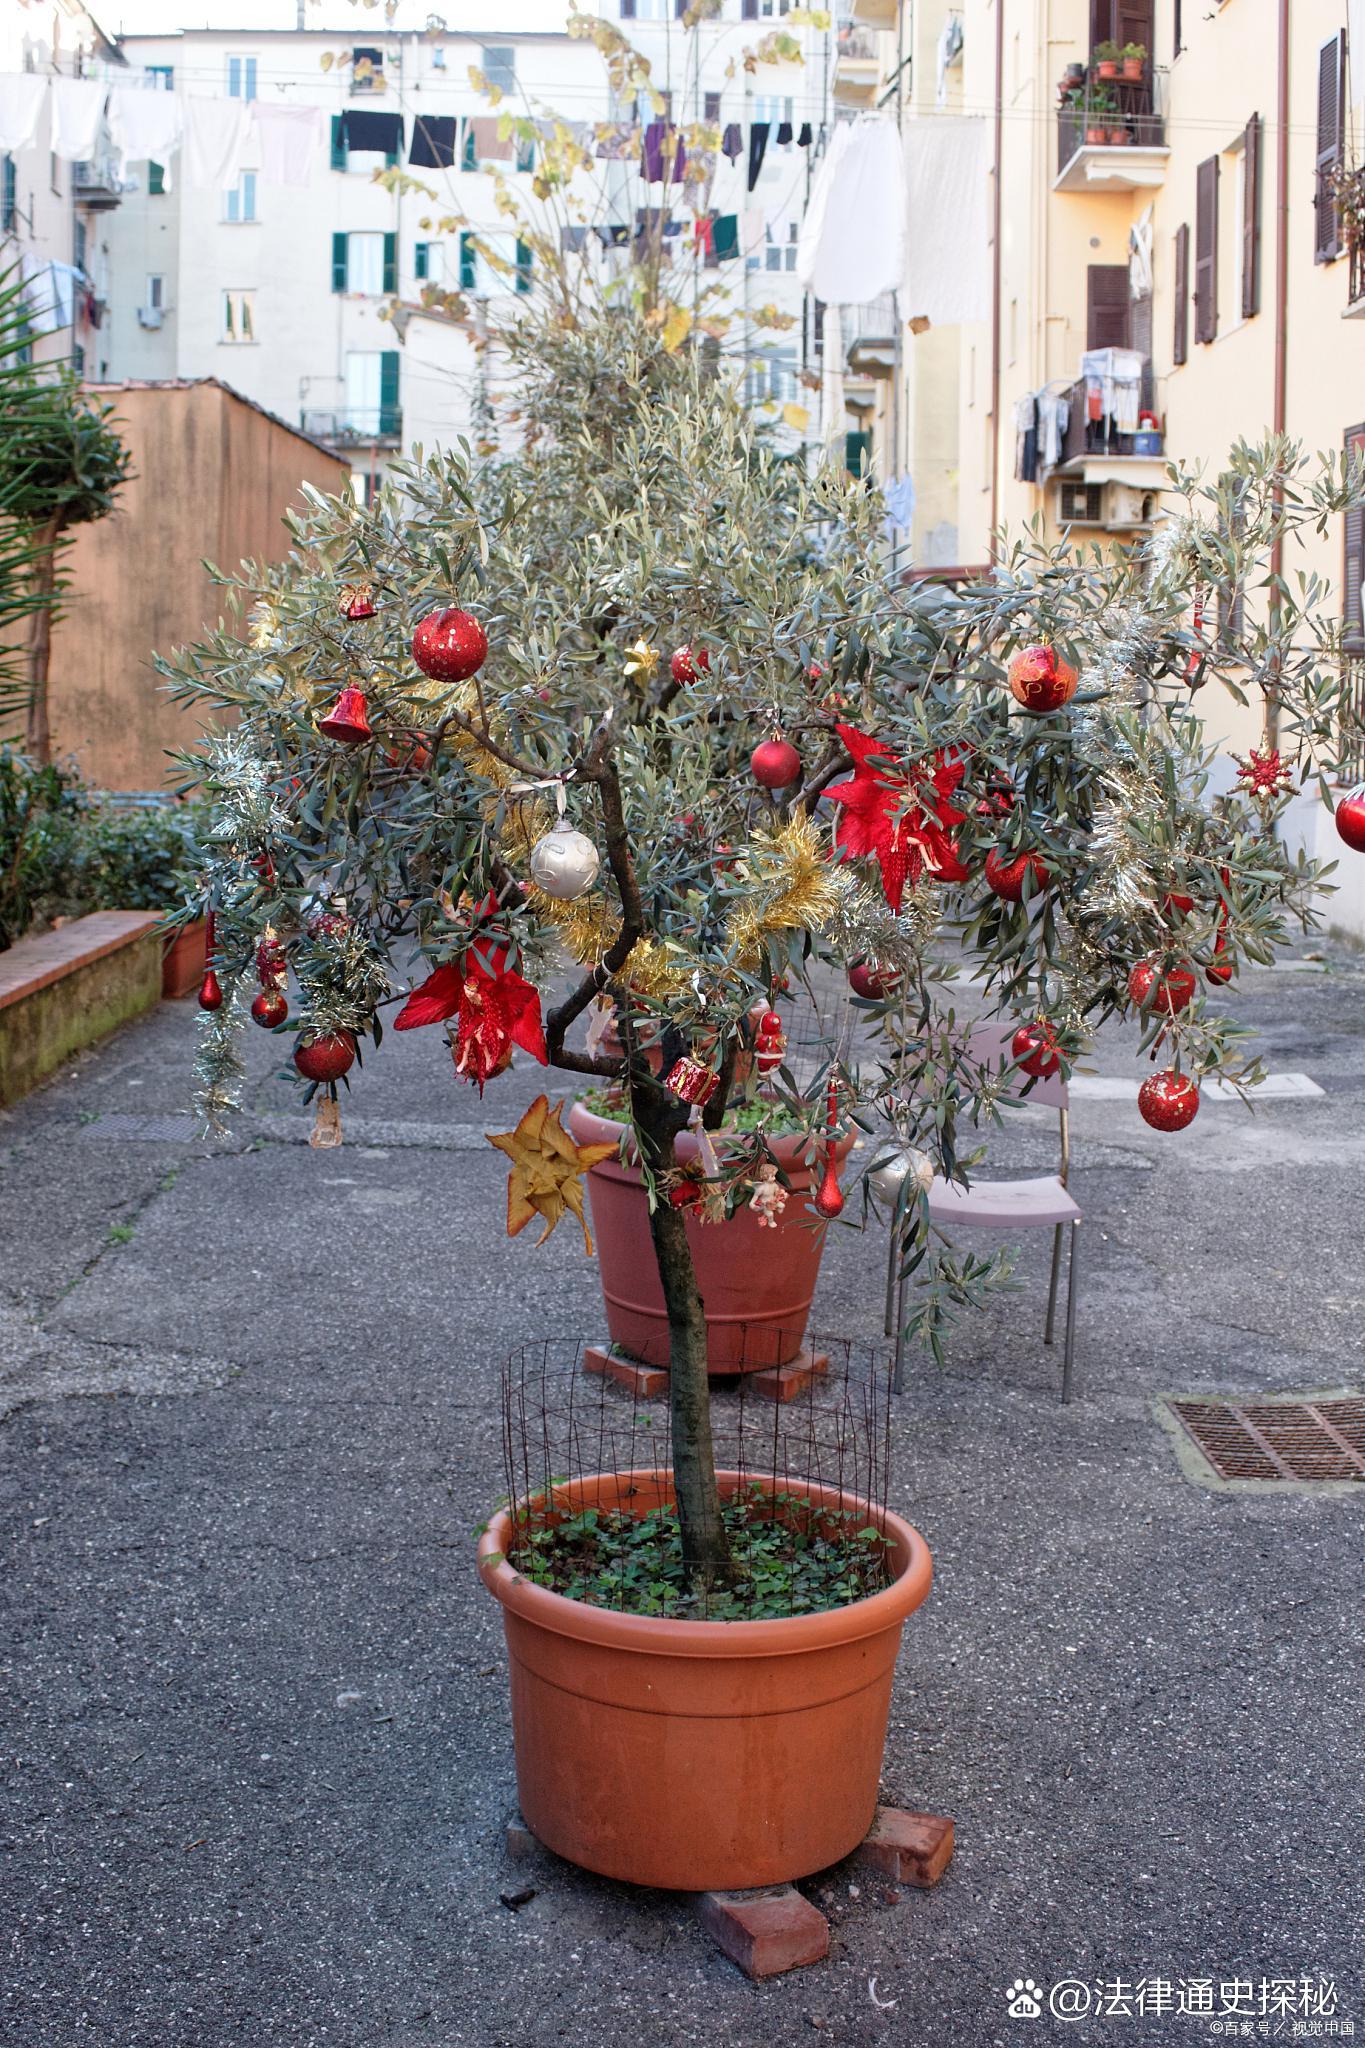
911	1165
564	863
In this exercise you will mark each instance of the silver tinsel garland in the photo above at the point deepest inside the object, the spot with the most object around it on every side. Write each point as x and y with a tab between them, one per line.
219	1069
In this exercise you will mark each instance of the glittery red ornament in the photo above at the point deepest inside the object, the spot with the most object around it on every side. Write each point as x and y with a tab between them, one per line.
348	720
270	1009
270	961
1350	820
1219	972
325	1058
691	1082
898	812
210	992
872	983
1035	1050
327	924
775	763
450	645
1040	680
1177	901
1168	1100
1006	876
356	601
685	1194
688	662
1169	992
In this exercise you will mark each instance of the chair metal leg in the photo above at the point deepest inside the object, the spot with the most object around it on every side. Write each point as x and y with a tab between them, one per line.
892	1270
1052	1287
1068	1356
898	1366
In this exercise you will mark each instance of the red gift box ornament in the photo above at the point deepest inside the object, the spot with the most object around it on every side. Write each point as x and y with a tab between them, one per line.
691	1082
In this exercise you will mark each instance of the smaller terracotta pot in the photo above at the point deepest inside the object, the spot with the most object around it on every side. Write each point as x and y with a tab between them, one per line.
1118	138
183	960
1132	70
1107	68
1097	135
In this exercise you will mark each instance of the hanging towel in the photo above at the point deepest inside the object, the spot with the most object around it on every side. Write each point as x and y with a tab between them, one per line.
144	127
362	128
803	140
1054	417
21	102
947	239
1140	256
1026	438
732	142
50	292
853	235
758	144
653	150
725	237
77	108
784	134
433	141
572	239
489	146
289	142
616	140
215	137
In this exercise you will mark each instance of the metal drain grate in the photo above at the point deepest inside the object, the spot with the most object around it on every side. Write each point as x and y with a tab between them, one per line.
1255	1438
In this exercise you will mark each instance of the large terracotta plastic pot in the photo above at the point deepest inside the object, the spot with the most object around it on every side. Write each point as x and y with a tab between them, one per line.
700	1755
183	959
756	1284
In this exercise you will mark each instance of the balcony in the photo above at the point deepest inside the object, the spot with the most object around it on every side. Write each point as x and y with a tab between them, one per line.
1111	137
857	67
96	184
871	333
364	427
1106	478
1355	304
875	13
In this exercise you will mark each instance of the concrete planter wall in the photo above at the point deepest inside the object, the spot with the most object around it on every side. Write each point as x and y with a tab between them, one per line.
67	989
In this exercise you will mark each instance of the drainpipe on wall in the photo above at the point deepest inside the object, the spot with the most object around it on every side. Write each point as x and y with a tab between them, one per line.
996	210
1279	413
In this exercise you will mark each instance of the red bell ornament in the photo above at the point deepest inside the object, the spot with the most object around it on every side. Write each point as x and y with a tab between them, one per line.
326	1057
270	1009
1006	877
1350	820
1035	1050
348	720
1040	680
1169	993
450	645
775	764
873	984
688	663
1168	1101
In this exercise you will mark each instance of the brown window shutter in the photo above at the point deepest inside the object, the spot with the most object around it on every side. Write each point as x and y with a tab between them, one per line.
1134	23
1251	219
1206	250
1331	126
1107	306
1180	346
1353	558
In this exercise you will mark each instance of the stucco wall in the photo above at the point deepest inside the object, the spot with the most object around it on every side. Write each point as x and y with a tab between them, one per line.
214	477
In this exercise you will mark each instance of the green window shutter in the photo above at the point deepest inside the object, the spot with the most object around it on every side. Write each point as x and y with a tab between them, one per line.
156	179
470	159
9	203
469	264
857	452
338	143
524	265
389	415
526	156
390	283
338	263
420	267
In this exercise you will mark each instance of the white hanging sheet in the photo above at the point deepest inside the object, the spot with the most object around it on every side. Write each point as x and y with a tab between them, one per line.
947	236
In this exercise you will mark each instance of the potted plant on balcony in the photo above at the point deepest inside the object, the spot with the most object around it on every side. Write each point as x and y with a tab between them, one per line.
1134	60
1108	58
1101	107
1071	82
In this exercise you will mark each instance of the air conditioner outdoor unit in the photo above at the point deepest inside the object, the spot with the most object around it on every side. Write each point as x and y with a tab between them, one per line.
1127	507
150	316
1080	504
1118	508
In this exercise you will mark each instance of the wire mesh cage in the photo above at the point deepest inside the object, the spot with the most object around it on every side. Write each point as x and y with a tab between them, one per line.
820	1456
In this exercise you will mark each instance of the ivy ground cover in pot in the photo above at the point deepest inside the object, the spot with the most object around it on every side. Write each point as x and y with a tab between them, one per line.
643	717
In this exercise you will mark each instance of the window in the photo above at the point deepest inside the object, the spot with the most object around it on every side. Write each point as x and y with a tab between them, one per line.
164	74
1353	559
1331	129
526	156
372	391
1108	297
645	10
9	196
156	180
367	70
338	159
239	317
79	244
156	291
499	67
772	108
772	376
241	78
1180	341
711	109
421	261
239	201
1206	250
78	358
469	264
366	264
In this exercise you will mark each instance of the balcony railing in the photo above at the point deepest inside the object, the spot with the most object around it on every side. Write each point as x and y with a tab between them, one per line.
355	426
869	334
858	45
1355	285
1120	114
1085	436
1351	727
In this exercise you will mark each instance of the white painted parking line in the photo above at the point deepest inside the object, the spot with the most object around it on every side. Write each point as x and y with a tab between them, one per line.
1119	1088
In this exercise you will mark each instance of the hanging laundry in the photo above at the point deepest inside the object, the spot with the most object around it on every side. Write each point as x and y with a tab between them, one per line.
363	129
77	110
947	181
145	127
614	237
803	140
900	500
433	141
617	141
758	146
289	142
725	237
50	293
784	134
489	146
21	102
572	239
1054	417
732	142
1026	438
948	54
1113	386
1140	256
215	139
853	234
654	148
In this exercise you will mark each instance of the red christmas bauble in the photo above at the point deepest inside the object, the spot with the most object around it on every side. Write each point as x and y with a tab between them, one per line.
325	1058
769	1024
1006	877
348	720
449	645
270	1008
1219	972
1169	993
1179	902
776	764
687	662
1035	1050
1168	1101
1040	680
1350	817
872	983
684	1194
210	992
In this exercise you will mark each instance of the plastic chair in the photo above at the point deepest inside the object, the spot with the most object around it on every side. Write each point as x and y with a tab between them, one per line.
1010	1205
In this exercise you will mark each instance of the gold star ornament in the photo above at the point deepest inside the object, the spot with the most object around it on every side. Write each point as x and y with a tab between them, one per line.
547	1169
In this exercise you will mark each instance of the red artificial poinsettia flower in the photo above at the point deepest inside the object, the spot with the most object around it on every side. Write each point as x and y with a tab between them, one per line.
882	786
493	1006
